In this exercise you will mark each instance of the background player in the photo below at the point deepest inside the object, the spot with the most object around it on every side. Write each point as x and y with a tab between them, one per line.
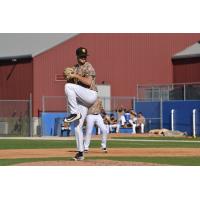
133	121
93	118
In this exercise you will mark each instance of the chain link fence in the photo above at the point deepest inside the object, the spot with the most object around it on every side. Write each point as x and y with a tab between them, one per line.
110	104
183	91
15	117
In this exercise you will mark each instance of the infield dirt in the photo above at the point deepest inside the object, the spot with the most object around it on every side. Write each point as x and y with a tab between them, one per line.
44	153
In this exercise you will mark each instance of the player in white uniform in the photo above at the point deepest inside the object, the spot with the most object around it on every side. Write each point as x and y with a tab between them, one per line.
80	95
133	121
114	123
94	117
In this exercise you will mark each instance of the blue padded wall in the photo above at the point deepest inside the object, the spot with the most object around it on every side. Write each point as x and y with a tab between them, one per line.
151	112
51	123
48	122
182	115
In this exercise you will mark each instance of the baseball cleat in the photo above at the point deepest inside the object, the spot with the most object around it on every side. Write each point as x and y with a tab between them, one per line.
79	156
104	150
73	117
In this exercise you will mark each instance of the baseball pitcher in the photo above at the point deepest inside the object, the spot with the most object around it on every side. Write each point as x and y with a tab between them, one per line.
81	93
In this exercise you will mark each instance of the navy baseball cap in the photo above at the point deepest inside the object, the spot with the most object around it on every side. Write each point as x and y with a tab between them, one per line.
81	52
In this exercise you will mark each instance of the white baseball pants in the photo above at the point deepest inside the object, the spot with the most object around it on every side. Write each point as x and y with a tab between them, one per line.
133	123
107	129
142	128
91	120
117	126
79	100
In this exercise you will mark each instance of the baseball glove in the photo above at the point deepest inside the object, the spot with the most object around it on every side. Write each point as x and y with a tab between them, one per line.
68	72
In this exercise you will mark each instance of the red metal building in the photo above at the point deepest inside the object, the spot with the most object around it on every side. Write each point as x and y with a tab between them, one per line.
121	60
187	65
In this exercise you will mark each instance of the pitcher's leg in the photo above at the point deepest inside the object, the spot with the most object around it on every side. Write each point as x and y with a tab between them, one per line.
107	128
77	93
103	128
71	98
89	128
79	128
98	131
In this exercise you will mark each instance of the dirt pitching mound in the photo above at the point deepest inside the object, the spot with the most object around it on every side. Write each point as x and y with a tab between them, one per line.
87	163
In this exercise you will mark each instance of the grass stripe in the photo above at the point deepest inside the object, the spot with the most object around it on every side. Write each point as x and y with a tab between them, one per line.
7	162
44	144
147	140
159	138
172	161
176	161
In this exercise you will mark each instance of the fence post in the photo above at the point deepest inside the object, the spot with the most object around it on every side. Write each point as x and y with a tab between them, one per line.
184	92
43	104
194	122
134	103
30	116
161	111
172	119
114	103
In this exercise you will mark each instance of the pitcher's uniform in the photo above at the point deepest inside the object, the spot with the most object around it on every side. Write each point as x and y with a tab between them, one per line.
94	117
80	97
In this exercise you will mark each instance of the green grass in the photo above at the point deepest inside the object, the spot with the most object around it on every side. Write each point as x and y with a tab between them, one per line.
149	144
172	161
44	144
35	144
7	162
159	138
178	161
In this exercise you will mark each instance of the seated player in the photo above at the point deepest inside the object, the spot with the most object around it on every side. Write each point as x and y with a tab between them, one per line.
114	124
65	126
133	120
140	122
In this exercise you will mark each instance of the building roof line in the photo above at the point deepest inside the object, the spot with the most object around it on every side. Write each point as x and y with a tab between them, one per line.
46	49
177	57
16	45
193	51
15	58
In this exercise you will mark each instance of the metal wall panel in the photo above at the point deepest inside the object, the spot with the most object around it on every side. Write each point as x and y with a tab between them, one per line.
186	73
16	82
